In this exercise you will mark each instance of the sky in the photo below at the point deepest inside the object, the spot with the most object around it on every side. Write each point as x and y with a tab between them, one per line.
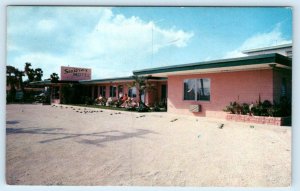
114	41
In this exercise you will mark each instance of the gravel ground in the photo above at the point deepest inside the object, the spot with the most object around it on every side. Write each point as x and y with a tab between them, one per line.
54	145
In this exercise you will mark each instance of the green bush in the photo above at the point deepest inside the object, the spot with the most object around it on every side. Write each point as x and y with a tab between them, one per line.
245	109
265	108
142	108
234	108
130	108
88	100
156	107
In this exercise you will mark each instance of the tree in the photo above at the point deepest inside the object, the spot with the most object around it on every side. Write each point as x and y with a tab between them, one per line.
29	72
54	77
38	74
142	85
19	75
27	67
14	77
11	79
33	74
14	81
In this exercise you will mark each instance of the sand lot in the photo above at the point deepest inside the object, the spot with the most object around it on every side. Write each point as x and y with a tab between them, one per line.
48	145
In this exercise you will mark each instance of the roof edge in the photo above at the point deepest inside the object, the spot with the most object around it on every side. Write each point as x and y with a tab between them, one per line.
247	60
128	78
268	48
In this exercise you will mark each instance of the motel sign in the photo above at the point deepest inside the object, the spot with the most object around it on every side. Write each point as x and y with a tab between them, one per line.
75	74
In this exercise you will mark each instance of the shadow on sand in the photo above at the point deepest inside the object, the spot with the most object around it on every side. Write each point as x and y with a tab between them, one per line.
12	122
101	137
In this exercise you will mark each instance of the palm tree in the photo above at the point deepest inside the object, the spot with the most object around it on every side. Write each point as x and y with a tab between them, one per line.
27	67
38	74
33	75
54	77
19	77
142	85
29	72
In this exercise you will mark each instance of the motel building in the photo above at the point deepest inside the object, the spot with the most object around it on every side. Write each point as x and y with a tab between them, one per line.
203	88
117	87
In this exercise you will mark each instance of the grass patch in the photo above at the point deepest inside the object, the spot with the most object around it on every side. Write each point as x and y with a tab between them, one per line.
100	107
110	108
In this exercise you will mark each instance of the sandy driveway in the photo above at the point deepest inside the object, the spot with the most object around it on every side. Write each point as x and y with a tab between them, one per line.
51	145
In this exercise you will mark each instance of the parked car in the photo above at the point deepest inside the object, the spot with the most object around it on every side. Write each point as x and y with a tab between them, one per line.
40	97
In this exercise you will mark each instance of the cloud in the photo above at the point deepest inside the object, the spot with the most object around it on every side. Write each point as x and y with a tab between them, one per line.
234	54
41	60
208	58
116	35
46	25
111	44
259	40
48	29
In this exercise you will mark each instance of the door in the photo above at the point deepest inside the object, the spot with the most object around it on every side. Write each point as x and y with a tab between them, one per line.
95	92
163	92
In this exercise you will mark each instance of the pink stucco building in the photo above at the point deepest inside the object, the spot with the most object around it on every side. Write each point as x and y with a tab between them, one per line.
205	88
117	87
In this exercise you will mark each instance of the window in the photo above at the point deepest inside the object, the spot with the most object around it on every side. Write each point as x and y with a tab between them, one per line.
197	89
189	89
102	91
132	92
113	91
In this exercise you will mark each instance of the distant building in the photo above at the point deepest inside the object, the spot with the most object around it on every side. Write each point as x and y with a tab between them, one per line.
284	49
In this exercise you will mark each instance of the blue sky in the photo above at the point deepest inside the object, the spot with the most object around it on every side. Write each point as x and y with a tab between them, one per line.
115	41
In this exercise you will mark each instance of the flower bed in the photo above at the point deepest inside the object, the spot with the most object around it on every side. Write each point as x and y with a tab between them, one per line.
259	119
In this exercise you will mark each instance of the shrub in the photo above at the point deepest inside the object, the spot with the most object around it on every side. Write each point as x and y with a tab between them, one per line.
229	108
118	103
87	100
101	100
156	107
143	108
265	108
245	109
163	104
234	108
130	108
283	108
111	102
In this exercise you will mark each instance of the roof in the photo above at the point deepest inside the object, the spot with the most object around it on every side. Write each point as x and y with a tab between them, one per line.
117	79
48	82
41	83
106	80
268	48
241	63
